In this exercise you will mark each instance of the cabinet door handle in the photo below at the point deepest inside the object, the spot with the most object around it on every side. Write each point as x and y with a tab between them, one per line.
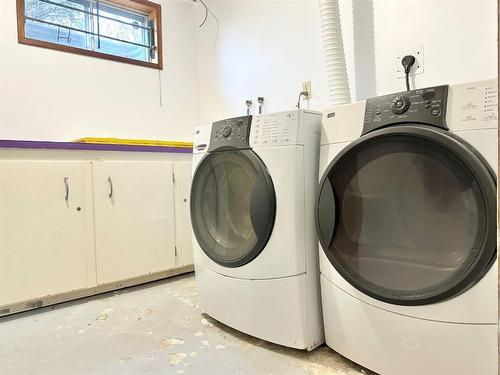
66	185
110	195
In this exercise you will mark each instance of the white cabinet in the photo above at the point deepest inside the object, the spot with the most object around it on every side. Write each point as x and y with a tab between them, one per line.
183	174
76	223
45	229
134	218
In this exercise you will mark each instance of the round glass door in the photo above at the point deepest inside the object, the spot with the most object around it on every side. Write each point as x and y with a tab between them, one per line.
407	215
232	206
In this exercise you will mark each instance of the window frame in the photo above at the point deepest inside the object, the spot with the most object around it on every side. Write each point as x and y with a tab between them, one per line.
152	9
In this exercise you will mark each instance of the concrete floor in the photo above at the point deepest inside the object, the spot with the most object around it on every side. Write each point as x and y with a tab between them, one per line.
157	328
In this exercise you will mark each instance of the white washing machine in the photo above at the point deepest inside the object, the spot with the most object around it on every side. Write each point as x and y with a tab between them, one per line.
406	217
252	214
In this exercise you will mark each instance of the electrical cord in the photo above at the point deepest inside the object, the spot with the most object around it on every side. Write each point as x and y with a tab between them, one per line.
206	14
301	94
217	26
407	63
209	11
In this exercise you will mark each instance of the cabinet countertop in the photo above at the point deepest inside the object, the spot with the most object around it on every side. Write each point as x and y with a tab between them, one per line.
7	143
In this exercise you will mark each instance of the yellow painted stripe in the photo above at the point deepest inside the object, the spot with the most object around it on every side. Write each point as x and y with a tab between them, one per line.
135	142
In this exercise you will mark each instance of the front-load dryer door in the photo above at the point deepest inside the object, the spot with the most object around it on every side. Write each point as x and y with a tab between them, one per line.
407	215
233	206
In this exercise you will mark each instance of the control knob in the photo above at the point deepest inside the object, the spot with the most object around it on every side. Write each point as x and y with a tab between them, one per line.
226	131
400	104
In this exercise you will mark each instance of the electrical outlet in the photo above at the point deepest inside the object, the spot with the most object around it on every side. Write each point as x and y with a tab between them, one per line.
417	68
306	86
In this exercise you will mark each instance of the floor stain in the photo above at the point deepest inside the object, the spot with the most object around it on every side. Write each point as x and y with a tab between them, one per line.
166	343
206	323
104	315
176	358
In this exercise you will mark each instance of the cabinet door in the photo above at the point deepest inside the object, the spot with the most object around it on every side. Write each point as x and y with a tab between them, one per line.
183	176
43	222
134	218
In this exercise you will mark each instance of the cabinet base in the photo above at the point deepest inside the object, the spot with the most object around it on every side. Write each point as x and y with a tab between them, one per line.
82	293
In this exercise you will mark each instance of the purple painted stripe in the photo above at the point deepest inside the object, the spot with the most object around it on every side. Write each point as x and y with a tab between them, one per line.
6	143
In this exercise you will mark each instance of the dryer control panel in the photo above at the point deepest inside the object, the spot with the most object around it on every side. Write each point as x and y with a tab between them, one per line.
231	133
473	106
423	106
275	129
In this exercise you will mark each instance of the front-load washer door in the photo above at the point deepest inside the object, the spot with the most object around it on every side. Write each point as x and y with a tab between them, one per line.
233	206
407	215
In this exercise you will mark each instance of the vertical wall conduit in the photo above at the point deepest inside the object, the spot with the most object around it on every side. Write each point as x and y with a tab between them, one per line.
333	46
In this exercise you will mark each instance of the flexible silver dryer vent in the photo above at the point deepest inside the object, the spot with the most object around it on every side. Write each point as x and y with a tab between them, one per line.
333	47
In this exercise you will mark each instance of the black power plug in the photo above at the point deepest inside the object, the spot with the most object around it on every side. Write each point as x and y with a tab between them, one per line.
407	63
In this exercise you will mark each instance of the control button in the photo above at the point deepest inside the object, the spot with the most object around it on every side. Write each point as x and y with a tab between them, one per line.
240	123
400	105
428	95
226	131
427	106
436	112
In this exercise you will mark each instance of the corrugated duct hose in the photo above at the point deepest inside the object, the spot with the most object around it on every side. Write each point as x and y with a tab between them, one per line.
333	47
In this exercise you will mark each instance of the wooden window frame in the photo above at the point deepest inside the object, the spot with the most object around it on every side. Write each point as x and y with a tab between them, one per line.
152	9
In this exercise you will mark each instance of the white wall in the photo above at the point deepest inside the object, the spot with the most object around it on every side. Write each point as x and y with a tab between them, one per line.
52	95
268	47
459	38
265	48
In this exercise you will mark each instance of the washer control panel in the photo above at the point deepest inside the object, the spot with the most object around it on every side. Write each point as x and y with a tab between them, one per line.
230	133
275	129
424	106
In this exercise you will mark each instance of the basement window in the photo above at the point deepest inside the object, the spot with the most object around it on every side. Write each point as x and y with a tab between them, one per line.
120	30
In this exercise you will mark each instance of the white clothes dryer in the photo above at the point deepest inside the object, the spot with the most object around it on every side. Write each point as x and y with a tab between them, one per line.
406	214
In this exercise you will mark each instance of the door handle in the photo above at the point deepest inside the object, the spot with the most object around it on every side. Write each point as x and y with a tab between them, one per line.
110	195
66	186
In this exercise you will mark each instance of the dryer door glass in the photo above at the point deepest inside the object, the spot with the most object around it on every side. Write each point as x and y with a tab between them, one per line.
414	216
232	206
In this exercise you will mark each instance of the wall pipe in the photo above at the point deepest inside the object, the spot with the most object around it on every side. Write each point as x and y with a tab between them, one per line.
333	47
